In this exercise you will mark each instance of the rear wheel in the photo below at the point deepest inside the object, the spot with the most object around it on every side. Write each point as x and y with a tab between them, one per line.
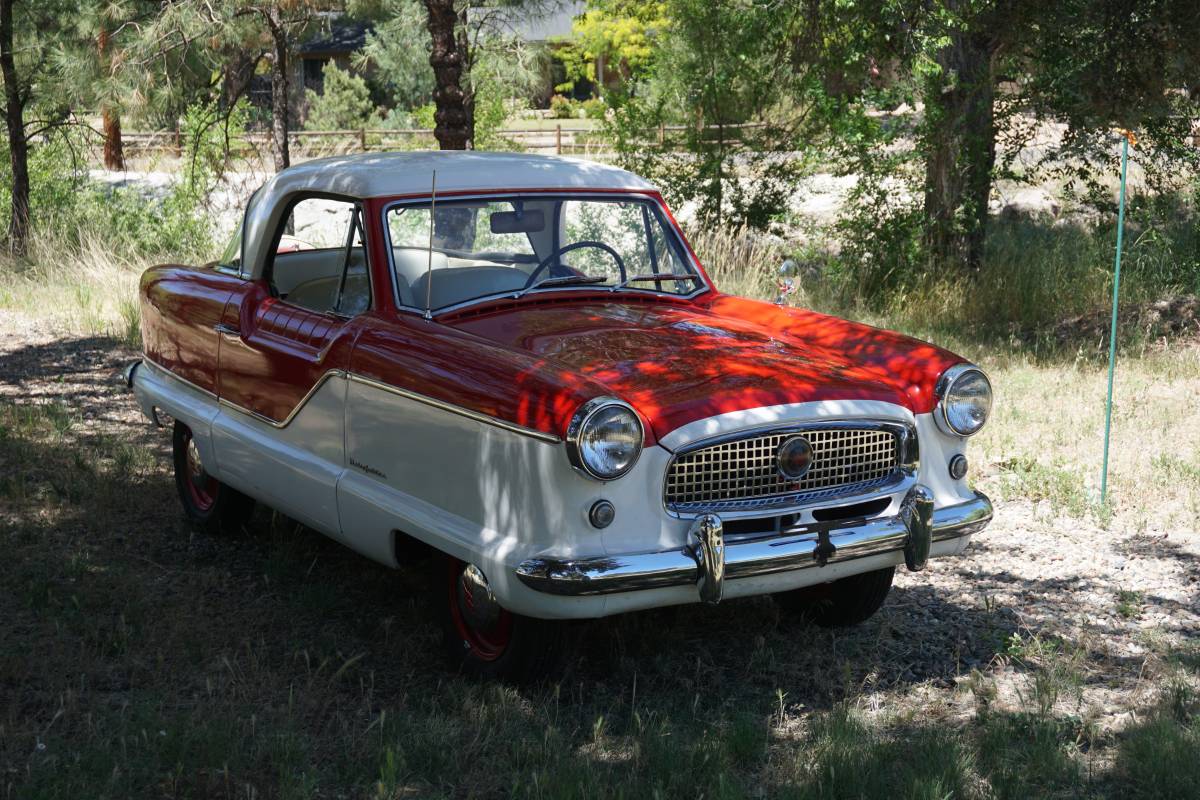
839	603
484	640
206	501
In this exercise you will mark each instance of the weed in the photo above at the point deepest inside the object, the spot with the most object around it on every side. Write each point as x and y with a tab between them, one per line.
1054	669
1029	479
1129	603
1173	468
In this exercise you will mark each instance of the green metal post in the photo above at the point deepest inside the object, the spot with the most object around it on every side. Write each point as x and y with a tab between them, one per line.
1112	335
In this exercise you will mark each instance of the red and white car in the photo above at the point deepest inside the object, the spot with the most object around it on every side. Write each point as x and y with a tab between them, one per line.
520	362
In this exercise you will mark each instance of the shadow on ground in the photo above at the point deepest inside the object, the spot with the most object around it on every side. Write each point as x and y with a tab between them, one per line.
142	656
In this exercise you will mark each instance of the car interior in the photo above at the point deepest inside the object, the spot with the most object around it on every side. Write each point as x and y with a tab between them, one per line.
479	248
320	263
482	248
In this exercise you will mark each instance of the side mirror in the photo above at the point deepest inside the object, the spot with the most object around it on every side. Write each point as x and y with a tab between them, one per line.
532	221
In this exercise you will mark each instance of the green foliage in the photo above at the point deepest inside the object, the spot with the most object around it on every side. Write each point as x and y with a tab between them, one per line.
343	104
719	78
424	116
595	108
505	71
1159	756
75	212
398	48
622	33
562	107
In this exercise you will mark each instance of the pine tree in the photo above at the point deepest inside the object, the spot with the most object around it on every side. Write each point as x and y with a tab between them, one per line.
31	36
223	33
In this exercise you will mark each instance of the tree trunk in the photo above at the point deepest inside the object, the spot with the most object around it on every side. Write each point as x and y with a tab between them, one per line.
961	152
18	146
239	71
468	61
454	118
114	150
279	94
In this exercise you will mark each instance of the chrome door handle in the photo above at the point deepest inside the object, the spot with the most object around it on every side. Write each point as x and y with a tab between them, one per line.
226	328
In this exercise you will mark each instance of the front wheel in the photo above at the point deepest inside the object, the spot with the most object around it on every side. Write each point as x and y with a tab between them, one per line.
206	501
839	603
484	640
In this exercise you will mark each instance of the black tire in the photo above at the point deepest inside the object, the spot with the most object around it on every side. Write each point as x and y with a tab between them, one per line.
208	503
840	603
512	648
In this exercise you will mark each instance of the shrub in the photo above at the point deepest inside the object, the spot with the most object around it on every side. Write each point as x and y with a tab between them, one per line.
562	107
344	103
595	108
423	116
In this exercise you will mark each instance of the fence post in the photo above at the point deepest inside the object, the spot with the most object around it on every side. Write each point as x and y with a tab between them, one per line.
178	141
558	139
662	134
362	139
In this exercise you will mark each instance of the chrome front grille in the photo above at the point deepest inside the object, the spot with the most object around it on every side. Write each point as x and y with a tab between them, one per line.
743	472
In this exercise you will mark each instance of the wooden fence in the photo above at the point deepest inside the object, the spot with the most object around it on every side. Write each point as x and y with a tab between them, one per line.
562	138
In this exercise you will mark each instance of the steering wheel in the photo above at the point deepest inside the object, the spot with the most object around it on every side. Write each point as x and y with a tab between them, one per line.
553	257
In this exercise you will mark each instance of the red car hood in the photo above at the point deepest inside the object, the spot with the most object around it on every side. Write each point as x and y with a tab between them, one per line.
680	362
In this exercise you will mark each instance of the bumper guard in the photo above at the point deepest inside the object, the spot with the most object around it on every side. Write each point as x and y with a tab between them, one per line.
707	561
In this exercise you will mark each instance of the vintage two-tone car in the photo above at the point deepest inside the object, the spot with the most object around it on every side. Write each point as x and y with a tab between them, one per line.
519	362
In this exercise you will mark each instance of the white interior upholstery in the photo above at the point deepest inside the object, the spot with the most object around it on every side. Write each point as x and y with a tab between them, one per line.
412	264
456	284
310	278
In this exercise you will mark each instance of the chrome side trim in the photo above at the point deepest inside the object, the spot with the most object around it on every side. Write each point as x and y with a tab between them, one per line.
337	373
184	381
805	547
478	416
333	373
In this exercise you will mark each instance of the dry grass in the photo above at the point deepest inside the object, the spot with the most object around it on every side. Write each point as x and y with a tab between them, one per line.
141	659
90	291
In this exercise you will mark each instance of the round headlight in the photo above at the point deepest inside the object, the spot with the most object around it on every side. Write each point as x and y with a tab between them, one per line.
604	438
966	400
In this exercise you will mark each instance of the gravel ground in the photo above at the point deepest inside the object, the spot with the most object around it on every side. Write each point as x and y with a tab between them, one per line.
1033	573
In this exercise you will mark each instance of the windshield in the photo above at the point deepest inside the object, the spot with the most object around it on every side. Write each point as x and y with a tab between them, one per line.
517	244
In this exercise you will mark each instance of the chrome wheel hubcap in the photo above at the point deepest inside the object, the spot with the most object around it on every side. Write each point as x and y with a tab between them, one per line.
195	467
475	598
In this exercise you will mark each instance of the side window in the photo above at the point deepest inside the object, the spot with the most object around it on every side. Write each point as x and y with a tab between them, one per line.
664	255
320	261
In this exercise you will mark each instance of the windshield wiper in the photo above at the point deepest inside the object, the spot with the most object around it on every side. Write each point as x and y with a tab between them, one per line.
657	276
564	280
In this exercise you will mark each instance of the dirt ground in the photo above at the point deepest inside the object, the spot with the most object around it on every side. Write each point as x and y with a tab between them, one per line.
1040	585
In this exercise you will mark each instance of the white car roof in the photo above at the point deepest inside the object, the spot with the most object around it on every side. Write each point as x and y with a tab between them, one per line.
411	173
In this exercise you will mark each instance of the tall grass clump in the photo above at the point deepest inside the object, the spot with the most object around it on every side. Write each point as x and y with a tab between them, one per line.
1035	277
90	242
740	261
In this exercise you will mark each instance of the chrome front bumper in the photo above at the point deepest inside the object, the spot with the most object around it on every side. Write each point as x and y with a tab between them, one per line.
707	561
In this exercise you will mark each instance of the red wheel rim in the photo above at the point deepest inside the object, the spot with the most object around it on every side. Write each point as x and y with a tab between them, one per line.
201	487
485	643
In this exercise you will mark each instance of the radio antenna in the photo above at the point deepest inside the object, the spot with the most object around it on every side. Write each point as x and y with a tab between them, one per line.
429	264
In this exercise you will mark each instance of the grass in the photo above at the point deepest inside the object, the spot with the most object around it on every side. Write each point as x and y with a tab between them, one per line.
87	290
141	659
1043	288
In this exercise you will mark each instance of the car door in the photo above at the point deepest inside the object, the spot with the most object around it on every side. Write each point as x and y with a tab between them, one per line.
285	350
